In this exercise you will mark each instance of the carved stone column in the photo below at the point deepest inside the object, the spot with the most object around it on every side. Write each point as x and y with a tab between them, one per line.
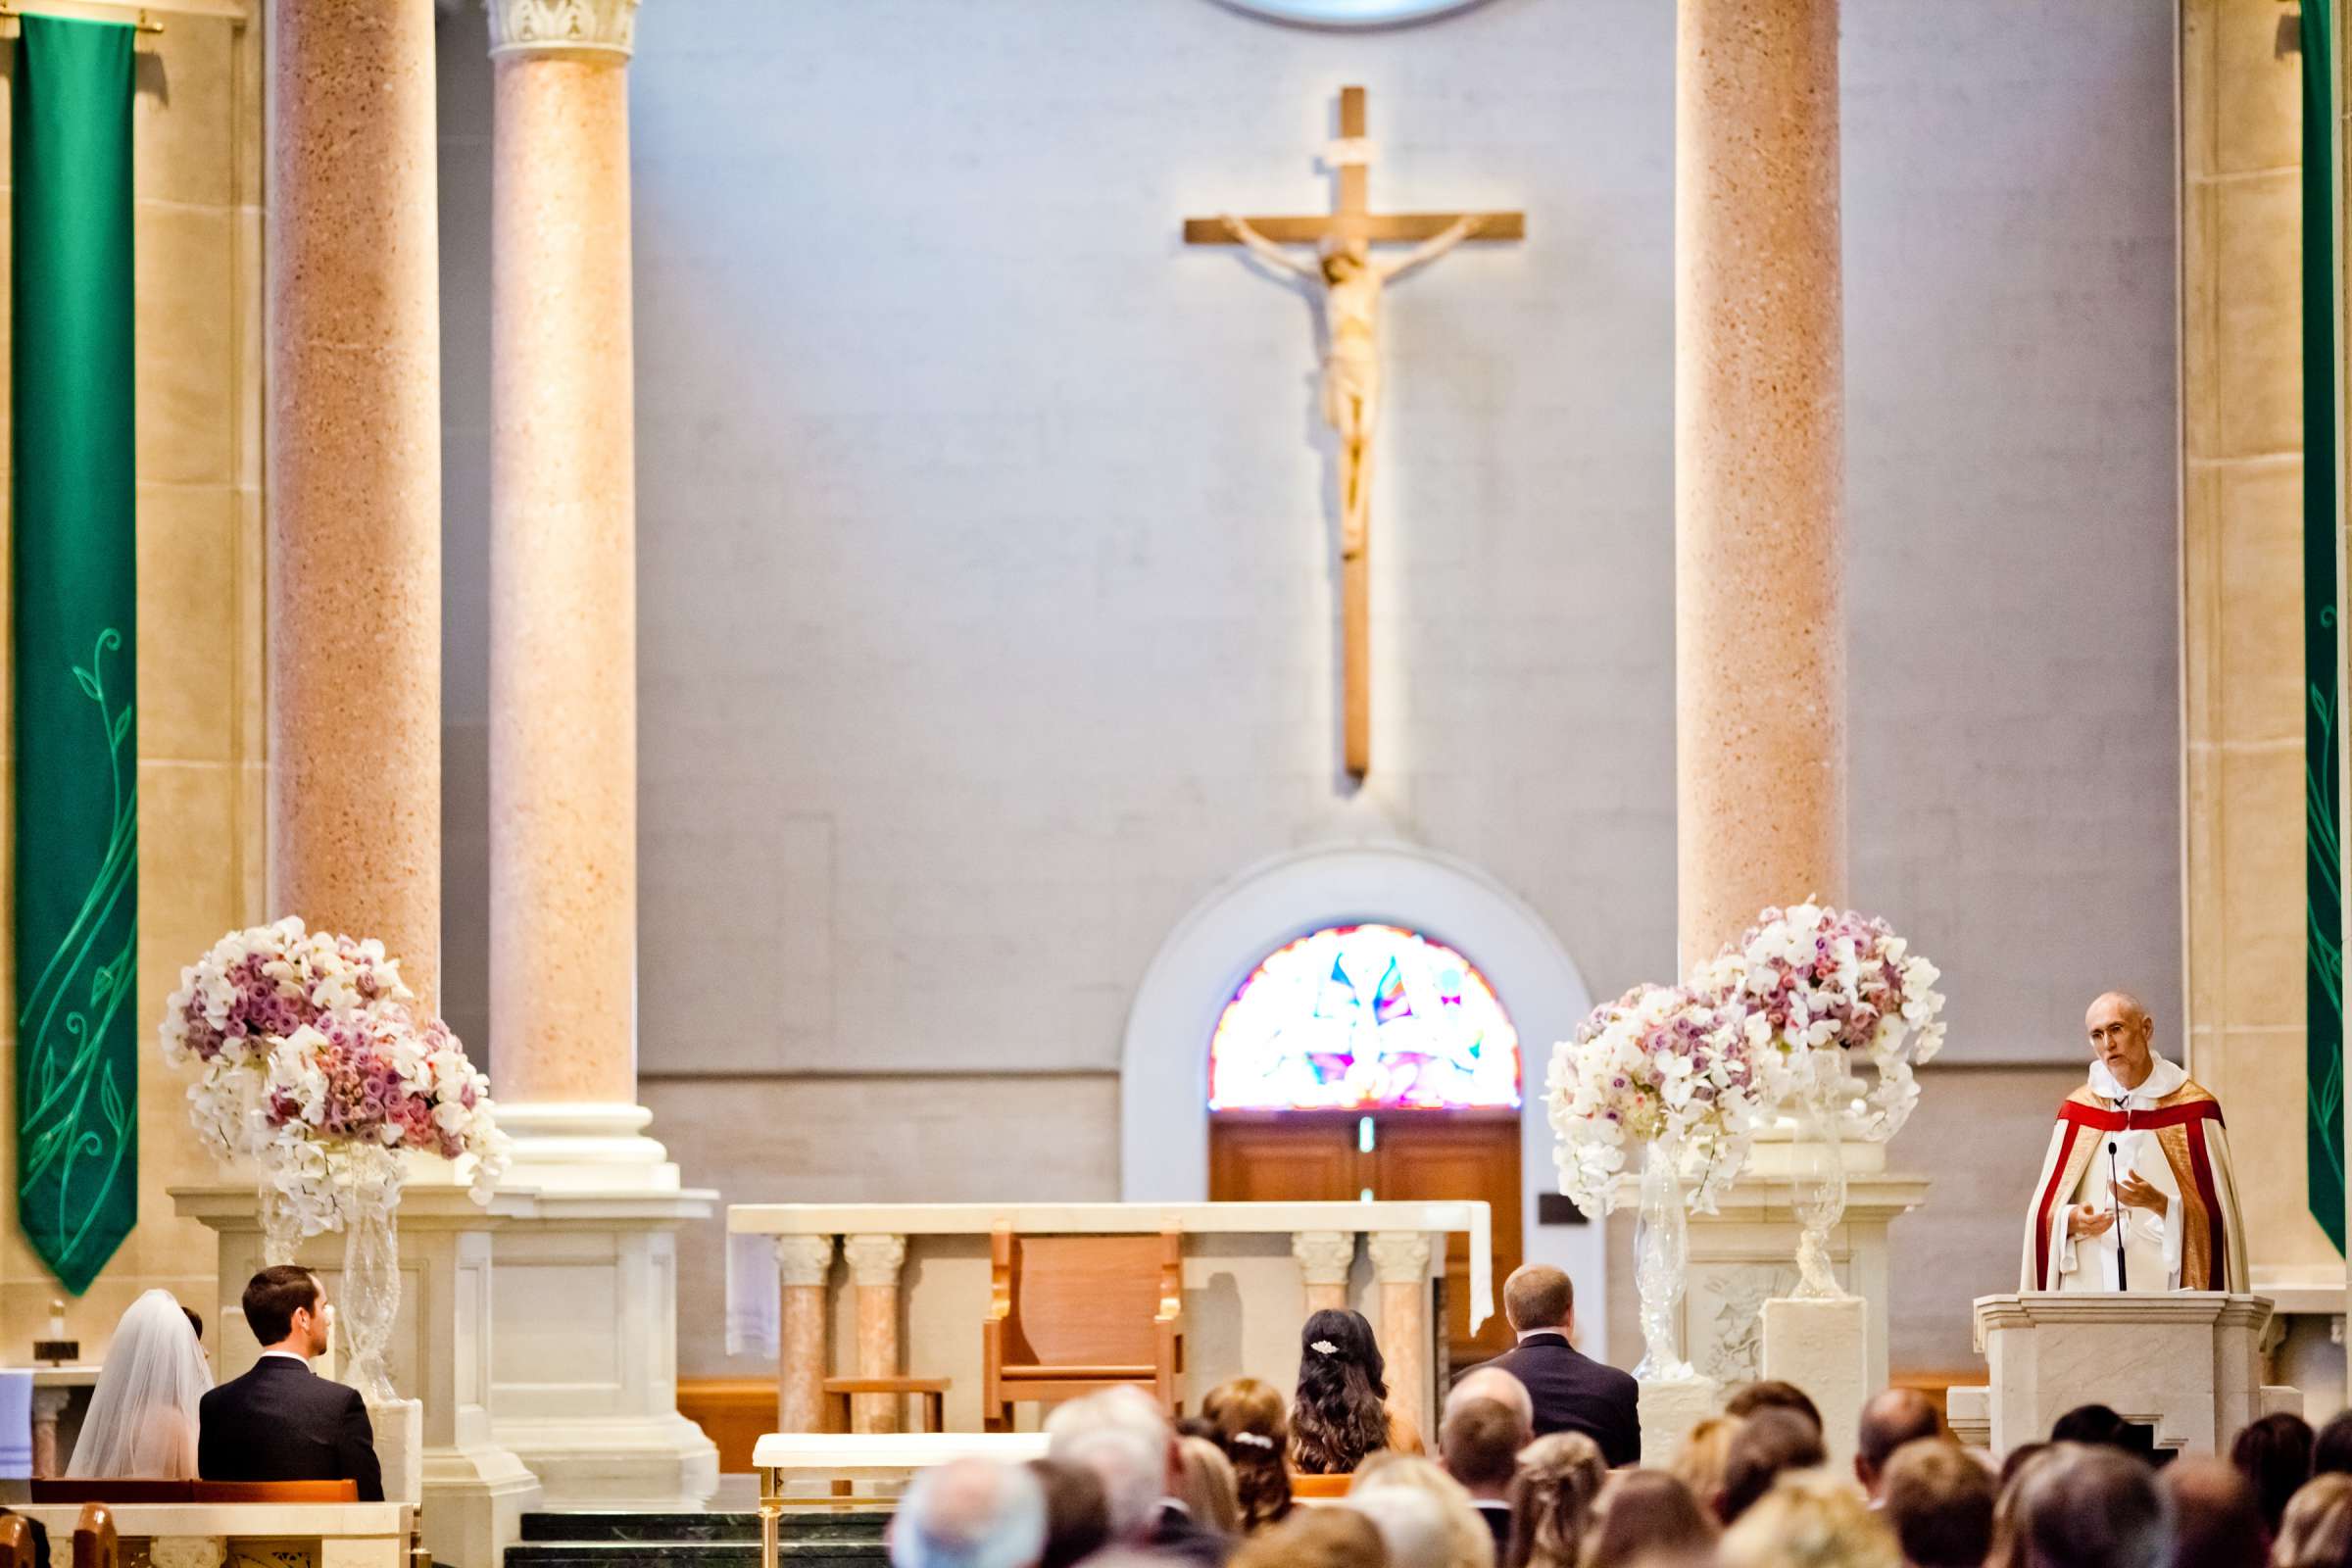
48	1404
803	1265
1324	1259
1401	1263
874	1263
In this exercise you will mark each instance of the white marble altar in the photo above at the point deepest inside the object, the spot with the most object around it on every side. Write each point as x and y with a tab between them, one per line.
204	1534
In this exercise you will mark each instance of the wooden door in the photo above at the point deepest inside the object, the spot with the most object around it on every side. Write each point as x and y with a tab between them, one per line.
1414	1155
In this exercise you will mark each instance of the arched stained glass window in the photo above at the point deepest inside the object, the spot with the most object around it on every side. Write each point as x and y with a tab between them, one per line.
1363	1018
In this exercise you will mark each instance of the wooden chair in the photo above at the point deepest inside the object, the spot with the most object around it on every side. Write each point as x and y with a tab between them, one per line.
15	1540
934	1392
117	1489
1319	1488
345	1491
1072	1315
94	1541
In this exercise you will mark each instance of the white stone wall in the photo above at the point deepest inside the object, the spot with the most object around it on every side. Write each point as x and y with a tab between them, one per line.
987	613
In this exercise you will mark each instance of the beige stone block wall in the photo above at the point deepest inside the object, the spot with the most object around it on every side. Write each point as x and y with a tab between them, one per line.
197	226
2241	609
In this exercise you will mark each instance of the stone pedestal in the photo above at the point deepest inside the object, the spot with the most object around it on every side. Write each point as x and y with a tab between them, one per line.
1824	1349
399	1426
1670	1409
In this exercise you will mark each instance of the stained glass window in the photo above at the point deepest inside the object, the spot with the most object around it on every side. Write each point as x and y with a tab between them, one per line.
1363	1018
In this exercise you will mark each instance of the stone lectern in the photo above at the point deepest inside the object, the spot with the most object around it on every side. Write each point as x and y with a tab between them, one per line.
2187	1363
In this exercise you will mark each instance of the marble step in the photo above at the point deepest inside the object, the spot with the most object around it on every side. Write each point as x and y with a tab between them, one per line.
619	1525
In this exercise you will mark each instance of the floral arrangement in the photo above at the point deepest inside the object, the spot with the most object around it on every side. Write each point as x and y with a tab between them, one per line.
1824	989
315	1063
1658	1066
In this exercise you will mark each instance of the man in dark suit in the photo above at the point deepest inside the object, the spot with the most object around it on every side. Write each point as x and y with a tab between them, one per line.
281	1421
1571	1391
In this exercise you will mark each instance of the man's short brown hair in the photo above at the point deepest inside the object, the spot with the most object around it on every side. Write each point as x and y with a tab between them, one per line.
1480	1442
1940	1501
1537	1296
273	1298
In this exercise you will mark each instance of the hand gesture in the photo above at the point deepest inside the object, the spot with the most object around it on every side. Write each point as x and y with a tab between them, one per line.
2137	1191
2087	1219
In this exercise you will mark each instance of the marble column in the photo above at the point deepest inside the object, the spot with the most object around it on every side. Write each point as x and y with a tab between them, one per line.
1759	455
48	1408
874	1263
354	441
1324	1259
1401	1263
804	1266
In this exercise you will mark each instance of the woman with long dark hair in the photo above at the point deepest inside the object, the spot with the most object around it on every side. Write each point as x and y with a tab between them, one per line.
1340	1411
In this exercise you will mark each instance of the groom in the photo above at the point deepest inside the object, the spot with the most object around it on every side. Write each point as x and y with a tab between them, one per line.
281	1421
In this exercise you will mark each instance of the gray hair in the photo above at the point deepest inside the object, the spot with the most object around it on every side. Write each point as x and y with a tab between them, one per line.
1411	1524
1121	1436
970	1513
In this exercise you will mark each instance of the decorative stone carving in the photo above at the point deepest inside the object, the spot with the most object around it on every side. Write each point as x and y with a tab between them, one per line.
804	1260
874	1260
579	28
188	1551
1400	1258
1324	1256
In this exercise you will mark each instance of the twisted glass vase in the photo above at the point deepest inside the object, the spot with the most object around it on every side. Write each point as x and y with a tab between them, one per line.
1820	1194
1661	1264
370	1269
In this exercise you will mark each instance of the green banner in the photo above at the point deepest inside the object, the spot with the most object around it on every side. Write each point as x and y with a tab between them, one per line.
71	656
2324	1040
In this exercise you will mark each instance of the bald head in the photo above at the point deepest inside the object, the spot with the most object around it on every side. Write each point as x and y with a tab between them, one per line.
1888	1421
1494	1383
2123	1037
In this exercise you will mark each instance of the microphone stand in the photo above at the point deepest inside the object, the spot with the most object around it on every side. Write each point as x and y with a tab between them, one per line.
2123	1272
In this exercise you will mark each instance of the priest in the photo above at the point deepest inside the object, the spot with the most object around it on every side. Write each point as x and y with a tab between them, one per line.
2137	1191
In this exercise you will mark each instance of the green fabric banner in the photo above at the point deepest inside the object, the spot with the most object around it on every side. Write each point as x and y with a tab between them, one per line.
71	657
2324	1001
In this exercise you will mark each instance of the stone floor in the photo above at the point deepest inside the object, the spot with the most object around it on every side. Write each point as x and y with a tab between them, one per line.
712	1540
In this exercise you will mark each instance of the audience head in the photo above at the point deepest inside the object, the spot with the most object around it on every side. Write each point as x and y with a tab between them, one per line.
2099	1425
1256	1438
2014	1462
1891	1418
1937	1498
1411	1525
1480	1445
1469	1542
1494	1383
1772	1440
2316	1531
2274	1456
1553	1491
2083	1505
1340	1411
2217	1519
1122	1436
1536	1296
1207	1488
1648	1516
2332	1452
286	1309
969	1513
1809	1521
1704	1453
1077	1526
1316	1538
1773	1394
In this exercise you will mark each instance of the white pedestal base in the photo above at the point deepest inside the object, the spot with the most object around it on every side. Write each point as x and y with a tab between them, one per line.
1669	1411
399	1426
1823	1348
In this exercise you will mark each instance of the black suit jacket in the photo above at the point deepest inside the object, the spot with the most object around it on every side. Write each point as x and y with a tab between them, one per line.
1178	1533
1573	1393
1498	1516
283	1422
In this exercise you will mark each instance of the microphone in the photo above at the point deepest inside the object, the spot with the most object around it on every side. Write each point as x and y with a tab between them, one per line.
2123	1273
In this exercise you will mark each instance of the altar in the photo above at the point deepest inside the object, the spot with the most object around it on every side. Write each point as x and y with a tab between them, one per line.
918	1275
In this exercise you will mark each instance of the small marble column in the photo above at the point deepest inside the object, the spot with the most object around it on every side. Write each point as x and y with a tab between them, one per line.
353	443
48	1406
803	1265
874	1263
1324	1259
1400	1262
1759	455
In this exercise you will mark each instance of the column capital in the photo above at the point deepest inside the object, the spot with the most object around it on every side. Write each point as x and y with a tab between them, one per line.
603	29
874	1260
803	1259
1400	1258
1324	1256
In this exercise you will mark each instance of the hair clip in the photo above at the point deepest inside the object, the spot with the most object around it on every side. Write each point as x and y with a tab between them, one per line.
1255	1440
1324	1348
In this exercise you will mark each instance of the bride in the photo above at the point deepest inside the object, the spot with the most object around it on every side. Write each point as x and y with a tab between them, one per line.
143	1419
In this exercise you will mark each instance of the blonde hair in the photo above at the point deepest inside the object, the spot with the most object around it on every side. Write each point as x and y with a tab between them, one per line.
1552	1493
1705	1456
1316	1538
1210	1490
2316	1531
1811	1519
1469	1543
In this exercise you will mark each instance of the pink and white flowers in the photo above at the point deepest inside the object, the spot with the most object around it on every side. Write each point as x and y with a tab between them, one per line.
315	1063
1658	1064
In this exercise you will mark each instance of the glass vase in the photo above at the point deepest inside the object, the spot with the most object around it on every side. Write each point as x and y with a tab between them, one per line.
281	1226
1820	1197
370	1271
1661	1265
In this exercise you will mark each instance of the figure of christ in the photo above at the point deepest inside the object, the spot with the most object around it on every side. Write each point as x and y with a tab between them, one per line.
1350	283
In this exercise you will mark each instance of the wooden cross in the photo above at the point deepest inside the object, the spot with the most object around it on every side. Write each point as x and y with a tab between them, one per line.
1351	300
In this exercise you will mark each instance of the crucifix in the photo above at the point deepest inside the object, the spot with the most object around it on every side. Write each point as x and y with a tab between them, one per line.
1349	282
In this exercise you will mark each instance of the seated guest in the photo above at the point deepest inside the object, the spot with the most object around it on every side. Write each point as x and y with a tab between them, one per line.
1206	1486
2100	1427
280	1421
1648	1517
1705	1452
142	1415
1250	1428
1469	1543
1772	1395
1809	1521
1553	1491
2274	1455
1411	1525
1570	1391
1490	1382
2014	1462
1939	1500
1773	1440
2217	1518
1121	1436
1479	1445
1076	1523
2331	1450
2316	1530
1340	1411
1316	1538
969	1513
2089	1507
1891	1418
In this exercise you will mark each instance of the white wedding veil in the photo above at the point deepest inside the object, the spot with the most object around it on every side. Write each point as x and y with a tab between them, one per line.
143	1419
